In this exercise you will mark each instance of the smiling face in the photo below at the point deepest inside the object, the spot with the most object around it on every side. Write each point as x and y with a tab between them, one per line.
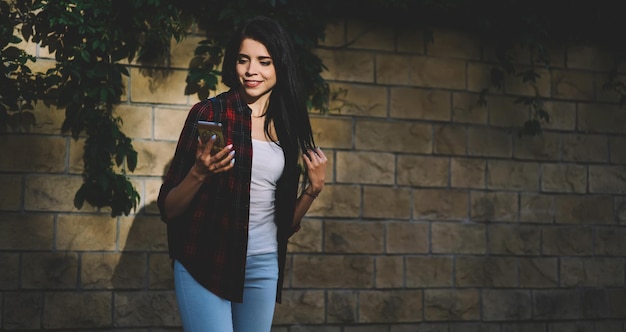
256	71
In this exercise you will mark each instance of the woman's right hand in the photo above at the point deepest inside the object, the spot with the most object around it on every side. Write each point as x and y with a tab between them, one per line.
222	161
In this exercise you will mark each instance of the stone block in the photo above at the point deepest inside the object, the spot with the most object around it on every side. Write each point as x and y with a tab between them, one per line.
332	132
46	154
23	311
137	121
390	306
347	65
365	167
431	72
423	171
169	122
546	146
411	41
590	209
440	204
334	34
137	309
143	233
562	115
342	307
515	85
182	51
536	208
572	85
589	58
489	142
609	326
420	104
420	327
336	271
12	191
567	178
86	232
429	271
512	175
450	139
486	271
494	206
592	272
10	277
158	86
507	239
358	100
153	157
468	173
160	272
616	148
49	270
371	36
451	304
389	272
449	43
506	305
72	310
461	238
556	304
149	197
607	179
308	239
479	78
52	193
505	112
300	307
353	237
538	272
48	119
26	232
567	240
337	201
585	148
609	241
474	327
406	238
406	137
391	69
113	271
76	153
524	327
386	202
466	109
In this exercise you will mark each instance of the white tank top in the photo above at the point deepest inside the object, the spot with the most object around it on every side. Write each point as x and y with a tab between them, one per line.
268	162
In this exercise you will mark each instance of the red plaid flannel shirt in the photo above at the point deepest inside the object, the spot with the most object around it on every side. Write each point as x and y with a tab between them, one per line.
211	238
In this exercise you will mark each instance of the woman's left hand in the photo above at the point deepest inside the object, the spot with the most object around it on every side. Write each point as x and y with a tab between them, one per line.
315	161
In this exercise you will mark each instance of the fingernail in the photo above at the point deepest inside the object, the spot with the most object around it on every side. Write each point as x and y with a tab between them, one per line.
232	153
229	146
213	137
232	161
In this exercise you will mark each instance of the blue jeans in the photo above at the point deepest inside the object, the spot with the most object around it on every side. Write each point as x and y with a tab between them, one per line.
202	311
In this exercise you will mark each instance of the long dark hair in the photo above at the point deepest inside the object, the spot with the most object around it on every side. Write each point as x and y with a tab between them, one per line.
287	105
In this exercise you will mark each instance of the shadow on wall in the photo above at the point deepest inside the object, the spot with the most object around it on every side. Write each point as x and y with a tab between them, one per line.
143	284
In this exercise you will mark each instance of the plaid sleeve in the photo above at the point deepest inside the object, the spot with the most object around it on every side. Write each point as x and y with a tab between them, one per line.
185	153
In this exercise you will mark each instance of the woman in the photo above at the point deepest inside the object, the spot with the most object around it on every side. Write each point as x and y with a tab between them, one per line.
229	215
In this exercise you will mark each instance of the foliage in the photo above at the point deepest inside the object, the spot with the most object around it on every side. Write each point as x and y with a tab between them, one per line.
89	40
94	40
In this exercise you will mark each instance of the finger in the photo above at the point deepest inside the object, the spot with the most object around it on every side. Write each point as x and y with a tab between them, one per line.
209	144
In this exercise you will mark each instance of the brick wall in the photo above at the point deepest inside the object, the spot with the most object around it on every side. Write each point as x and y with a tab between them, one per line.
436	217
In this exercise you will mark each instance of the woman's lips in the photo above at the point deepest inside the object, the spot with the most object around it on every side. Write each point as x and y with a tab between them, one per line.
252	84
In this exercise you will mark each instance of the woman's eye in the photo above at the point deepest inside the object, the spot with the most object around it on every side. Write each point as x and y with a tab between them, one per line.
266	63
242	60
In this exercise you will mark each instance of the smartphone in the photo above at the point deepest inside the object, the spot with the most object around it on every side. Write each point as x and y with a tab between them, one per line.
206	129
